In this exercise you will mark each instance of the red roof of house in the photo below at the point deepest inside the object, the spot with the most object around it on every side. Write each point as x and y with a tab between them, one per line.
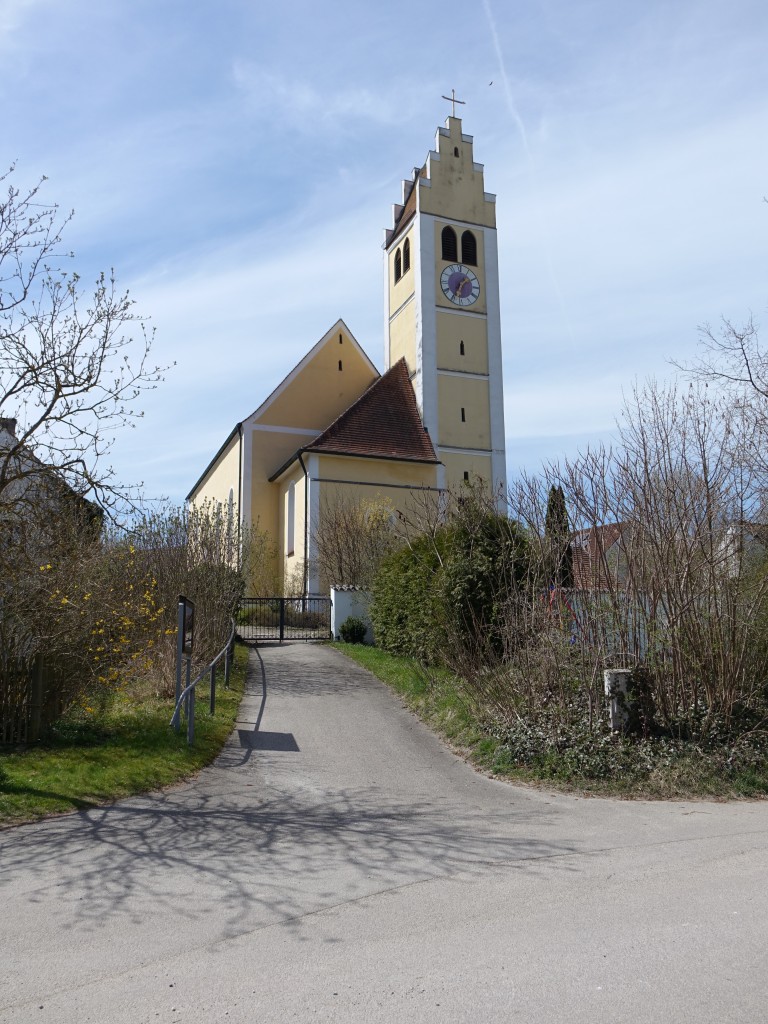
383	423
590	548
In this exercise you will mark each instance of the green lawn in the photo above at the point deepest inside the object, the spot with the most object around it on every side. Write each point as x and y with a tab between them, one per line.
607	768
126	749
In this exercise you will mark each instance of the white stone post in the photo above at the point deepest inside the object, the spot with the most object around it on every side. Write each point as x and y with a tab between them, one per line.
616	682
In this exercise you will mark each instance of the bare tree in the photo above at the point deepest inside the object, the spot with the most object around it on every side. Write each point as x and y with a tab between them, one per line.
734	356
668	579
353	538
70	371
734	361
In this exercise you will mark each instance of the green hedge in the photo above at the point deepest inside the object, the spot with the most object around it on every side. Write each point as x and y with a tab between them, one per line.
450	588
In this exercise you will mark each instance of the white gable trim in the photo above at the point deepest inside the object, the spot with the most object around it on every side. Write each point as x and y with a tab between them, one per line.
304	431
281	387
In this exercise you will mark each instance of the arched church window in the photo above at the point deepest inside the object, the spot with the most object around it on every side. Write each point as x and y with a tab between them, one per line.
398	266
406	255
469	249
450	244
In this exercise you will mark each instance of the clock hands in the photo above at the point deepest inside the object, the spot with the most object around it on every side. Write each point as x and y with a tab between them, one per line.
459	286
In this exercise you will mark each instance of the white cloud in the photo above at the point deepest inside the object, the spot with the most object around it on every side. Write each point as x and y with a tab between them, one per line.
13	14
313	105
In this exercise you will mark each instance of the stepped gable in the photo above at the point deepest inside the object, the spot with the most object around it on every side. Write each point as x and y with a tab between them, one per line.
384	423
404	212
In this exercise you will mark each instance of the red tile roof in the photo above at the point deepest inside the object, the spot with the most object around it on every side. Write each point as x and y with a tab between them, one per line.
383	423
590	550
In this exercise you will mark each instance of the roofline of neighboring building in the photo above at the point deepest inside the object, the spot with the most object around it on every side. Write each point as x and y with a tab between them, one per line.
349	455
213	461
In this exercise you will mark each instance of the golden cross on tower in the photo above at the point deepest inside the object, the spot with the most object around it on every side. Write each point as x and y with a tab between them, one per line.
452	99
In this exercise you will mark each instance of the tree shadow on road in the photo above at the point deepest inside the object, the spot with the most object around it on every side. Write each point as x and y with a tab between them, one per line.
227	845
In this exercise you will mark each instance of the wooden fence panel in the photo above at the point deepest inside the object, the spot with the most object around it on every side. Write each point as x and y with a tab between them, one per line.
29	700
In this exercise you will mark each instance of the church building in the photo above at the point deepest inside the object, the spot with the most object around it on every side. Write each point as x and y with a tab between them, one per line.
335	429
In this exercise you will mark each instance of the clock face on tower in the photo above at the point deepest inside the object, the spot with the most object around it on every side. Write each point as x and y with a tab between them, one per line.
460	284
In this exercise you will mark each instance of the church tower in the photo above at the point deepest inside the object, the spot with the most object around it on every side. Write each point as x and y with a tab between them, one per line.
442	308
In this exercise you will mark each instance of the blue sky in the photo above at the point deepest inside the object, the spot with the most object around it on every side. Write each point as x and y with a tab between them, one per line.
236	164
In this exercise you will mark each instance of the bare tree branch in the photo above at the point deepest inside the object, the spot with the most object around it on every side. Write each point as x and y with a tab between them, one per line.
71	371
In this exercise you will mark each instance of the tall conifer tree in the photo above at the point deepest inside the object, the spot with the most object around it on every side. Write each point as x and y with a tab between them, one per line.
557	533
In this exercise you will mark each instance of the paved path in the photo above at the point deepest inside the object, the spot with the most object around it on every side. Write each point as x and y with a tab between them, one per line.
341	865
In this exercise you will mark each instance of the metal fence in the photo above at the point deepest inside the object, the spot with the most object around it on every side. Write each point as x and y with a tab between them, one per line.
284	618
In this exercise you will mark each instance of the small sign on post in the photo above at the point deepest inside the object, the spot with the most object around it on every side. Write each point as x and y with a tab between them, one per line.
189	624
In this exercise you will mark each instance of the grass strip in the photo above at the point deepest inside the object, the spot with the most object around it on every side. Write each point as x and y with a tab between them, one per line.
645	772
127	748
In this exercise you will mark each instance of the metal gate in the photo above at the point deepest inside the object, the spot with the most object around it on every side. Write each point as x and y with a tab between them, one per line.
284	618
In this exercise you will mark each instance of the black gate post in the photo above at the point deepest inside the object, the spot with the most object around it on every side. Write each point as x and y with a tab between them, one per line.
282	618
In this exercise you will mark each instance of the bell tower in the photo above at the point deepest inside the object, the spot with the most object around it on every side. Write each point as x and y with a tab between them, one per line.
442	308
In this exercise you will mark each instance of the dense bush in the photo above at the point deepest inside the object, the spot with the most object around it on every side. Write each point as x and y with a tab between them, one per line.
406	608
445	595
568	748
486	561
353	630
100	608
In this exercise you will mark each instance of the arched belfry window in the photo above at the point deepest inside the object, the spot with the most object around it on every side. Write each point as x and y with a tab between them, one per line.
469	249
398	266
450	245
406	255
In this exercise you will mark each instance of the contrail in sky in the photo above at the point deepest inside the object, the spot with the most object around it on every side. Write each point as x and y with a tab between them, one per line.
520	125
507	89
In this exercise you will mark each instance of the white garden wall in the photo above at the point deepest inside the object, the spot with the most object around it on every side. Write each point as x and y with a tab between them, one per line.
349	602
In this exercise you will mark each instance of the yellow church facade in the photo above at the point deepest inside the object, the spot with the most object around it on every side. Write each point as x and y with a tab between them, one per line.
337	430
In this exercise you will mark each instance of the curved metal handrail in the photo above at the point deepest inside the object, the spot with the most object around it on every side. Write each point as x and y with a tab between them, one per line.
209	668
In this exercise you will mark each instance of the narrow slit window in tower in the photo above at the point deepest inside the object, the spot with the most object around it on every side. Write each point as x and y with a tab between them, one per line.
463	415
461	348
466	475
455	150
339	364
406	255
450	244
469	249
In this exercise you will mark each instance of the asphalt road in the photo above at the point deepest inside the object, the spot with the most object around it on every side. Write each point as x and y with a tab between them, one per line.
341	865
